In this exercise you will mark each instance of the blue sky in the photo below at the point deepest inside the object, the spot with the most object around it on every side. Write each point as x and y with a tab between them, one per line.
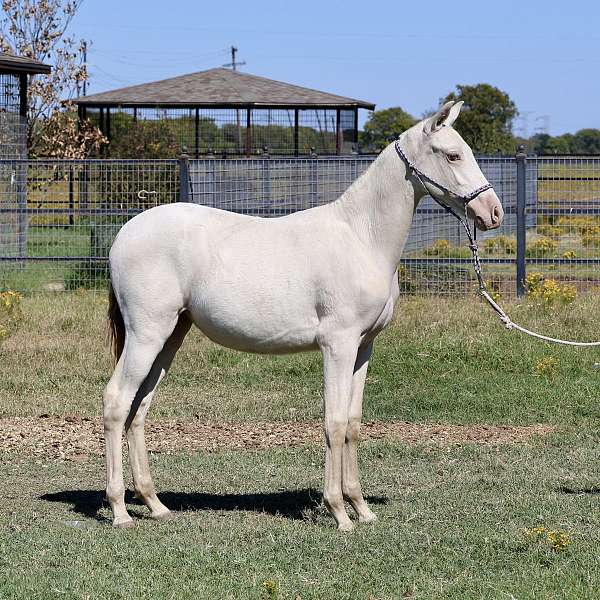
546	55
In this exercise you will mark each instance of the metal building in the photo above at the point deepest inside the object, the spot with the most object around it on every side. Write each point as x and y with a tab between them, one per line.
223	112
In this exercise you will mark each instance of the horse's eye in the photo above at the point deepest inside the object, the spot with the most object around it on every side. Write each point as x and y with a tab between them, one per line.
453	157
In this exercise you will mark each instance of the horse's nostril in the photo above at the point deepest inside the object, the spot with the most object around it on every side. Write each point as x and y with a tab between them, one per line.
495	214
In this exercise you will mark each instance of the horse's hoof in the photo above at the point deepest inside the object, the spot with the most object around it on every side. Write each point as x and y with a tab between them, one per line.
123	523
346	527
164	516
370	518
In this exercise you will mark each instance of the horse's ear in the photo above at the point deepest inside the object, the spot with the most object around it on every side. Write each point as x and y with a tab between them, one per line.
443	117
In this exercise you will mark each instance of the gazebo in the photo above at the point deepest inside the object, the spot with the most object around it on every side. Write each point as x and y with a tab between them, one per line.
14	73
224	112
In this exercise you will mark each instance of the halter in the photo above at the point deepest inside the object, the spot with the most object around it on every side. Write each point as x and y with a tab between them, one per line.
421	176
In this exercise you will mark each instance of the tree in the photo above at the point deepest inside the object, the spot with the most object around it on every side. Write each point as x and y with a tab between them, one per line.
486	119
587	141
37	29
385	125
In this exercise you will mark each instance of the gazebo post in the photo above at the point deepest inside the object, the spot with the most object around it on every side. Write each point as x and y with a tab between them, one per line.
197	134
296	132
23	95
108	123
338	141
356	128
248	132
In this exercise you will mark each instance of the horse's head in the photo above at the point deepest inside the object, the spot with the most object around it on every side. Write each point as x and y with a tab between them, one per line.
438	151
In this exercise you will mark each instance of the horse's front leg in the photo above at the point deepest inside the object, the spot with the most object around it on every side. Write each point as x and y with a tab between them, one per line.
338	361
350	480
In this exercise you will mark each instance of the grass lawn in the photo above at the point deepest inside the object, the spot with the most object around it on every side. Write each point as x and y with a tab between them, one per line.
453	518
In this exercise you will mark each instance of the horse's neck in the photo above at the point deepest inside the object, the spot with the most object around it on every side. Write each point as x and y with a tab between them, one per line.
379	206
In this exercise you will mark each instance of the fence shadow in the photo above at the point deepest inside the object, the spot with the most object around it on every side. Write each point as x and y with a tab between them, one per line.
289	504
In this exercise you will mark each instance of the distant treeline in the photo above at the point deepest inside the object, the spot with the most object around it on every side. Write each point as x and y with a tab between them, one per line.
585	141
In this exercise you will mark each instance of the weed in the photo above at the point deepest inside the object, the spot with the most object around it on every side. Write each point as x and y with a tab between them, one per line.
546	366
270	590
444	249
551	231
11	313
547	291
557	540
501	244
542	246
580	225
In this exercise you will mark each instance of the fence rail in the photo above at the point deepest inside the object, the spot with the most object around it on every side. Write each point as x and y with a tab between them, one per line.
58	218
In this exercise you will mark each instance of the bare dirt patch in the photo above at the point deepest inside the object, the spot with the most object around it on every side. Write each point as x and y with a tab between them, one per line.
76	437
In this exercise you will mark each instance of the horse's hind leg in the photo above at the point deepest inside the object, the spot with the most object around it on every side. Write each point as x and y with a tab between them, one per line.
138	456
133	366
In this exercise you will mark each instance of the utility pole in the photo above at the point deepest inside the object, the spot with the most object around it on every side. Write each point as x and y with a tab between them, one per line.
234	64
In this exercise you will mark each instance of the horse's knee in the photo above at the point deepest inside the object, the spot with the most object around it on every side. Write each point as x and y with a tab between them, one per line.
335	433
352	490
353	431
113	412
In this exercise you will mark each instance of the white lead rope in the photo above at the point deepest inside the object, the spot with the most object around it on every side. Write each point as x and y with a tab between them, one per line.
510	324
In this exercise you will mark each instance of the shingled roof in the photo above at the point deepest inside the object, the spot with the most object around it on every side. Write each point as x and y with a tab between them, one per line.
19	64
220	88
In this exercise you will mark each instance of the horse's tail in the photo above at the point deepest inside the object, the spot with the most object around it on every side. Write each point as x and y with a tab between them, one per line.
116	325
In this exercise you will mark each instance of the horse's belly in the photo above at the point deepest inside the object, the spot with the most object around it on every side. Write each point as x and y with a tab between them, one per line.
254	327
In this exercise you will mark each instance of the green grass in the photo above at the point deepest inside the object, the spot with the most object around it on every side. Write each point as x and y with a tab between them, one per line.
441	360
452	519
451	526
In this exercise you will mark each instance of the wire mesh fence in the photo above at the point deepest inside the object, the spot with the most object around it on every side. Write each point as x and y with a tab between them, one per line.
565	243
59	218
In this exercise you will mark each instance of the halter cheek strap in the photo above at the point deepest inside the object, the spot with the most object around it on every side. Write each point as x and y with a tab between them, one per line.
422	176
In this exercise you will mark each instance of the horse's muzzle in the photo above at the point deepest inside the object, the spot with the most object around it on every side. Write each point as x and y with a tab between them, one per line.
486	210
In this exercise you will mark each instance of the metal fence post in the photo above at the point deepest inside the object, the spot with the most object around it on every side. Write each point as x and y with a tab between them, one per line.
312	178
521	159
184	177
266	179
21	173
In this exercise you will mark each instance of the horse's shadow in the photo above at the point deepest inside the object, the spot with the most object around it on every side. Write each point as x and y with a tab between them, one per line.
592	490
296	504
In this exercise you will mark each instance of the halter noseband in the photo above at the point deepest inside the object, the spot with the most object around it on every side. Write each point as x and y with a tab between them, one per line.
421	176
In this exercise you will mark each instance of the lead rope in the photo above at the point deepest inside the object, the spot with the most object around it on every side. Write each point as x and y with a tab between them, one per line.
508	322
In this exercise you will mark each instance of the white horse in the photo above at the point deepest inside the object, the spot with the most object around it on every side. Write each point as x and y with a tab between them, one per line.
321	279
